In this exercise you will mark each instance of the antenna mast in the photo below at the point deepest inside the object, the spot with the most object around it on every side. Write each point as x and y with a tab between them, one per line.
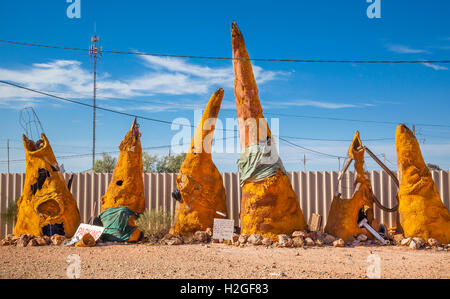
94	52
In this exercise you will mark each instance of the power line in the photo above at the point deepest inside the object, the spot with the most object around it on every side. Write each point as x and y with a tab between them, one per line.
91	106
135	115
337	140
308	149
352	120
147	118
112	152
229	58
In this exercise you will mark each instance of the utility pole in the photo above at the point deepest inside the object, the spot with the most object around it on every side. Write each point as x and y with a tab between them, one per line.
339	164
94	52
7	148
304	162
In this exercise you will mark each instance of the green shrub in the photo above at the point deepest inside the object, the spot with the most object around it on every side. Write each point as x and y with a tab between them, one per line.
154	224
10	215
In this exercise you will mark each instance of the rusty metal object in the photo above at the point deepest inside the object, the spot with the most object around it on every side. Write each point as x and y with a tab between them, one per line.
46	206
201	195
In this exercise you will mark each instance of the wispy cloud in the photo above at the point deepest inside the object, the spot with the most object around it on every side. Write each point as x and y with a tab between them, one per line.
314	103
435	66
160	76
402	49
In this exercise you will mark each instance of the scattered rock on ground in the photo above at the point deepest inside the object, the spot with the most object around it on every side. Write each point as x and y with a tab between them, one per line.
235	237
188	238
300	233
414	245
32	242
397	239
362	237
175	240
201	236
23	240
284	240
255	239
309	241
405	242
243	238
298	241
266	242
433	242
419	241
339	243
313	235
57	239
329	239
355	242
319	242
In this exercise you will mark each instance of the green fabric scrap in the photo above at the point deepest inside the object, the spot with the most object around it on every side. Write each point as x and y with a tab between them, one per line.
115	222
257	162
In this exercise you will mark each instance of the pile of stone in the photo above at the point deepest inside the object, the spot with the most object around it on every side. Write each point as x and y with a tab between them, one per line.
28	240
419	243
198	237
296	239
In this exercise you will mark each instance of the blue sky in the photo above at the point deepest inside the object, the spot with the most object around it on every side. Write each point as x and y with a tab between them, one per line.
168	88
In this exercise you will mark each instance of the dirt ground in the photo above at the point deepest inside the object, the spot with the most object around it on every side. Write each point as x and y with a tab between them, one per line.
221	261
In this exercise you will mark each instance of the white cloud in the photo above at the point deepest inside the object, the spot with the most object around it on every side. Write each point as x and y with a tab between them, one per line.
405	49
161	76
313	103
435	66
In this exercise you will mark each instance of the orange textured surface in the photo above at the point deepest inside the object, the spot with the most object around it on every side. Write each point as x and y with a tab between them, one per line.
52	203
269	207
199	181
126	188
422	213
343	215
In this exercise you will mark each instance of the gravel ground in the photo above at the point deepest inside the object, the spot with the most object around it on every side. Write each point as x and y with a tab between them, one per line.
221	261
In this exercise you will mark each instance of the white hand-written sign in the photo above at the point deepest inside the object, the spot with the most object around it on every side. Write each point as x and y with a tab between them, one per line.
94	230
223	229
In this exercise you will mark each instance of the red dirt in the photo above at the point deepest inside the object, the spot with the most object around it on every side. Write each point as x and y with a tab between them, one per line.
221	261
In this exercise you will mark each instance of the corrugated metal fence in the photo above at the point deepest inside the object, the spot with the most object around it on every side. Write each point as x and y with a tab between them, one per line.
314	190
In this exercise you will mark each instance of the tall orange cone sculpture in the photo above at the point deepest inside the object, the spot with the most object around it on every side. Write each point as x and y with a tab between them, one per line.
124	199
422	213
46	206
269	205
342	220
199	182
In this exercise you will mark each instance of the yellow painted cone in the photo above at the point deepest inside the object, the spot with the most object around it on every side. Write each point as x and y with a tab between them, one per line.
342	220
200	183
126	188
422	213
46	206
269	206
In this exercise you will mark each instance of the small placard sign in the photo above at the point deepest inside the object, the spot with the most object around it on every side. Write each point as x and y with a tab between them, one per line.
223	229
315	222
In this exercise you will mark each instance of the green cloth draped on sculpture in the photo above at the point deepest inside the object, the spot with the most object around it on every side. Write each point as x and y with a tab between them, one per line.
115	222
259	161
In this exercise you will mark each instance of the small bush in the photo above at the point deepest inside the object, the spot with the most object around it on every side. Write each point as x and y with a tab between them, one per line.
10	215
154	224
